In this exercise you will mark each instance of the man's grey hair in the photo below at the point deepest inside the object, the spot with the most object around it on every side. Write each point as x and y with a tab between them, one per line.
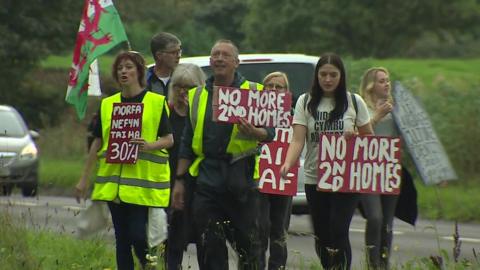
162	41
235	48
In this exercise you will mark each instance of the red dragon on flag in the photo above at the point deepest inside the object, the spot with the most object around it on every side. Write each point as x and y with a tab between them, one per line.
100	30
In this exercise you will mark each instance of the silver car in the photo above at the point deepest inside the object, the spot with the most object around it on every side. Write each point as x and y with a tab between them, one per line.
18	154
300	69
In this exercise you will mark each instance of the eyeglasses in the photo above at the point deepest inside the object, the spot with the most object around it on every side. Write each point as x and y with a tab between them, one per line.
218	54
174	52
275	86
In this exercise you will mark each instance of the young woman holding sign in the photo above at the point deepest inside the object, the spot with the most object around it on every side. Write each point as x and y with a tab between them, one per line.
327	108
275	209
380	209
131	189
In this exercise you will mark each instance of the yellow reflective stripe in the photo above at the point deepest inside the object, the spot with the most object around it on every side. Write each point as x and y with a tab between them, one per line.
197	140
144	156
194	109
132	182
252	86
152	157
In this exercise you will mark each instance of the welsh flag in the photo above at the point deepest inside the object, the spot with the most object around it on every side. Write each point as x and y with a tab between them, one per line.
100	30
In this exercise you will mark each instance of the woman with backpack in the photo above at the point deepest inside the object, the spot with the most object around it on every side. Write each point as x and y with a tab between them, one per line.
327	109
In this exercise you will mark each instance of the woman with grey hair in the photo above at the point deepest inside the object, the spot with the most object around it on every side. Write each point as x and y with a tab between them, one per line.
184	78
275	209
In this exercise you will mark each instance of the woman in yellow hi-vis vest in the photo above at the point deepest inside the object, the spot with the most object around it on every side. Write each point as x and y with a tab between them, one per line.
131	189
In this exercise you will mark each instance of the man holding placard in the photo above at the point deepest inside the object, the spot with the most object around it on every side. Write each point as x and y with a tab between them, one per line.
222	157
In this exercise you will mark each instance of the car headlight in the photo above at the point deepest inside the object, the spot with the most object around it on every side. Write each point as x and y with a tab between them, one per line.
29	152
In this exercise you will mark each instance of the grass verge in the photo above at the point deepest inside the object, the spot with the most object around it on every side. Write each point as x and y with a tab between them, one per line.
457	201
21	248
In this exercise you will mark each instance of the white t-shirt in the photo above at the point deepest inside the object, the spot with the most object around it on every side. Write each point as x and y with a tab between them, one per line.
318	125
164	79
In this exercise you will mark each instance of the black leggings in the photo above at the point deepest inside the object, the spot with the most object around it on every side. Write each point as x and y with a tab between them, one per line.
331	215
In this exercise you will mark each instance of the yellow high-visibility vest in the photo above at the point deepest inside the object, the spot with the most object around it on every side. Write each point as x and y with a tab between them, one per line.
147	182
237	146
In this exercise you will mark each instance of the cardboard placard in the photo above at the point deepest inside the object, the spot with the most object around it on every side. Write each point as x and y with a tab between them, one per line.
362	164
421	139
271	160
126	124
260	108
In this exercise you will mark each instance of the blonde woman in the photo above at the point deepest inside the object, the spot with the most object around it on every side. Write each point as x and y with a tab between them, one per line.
379	209
275	209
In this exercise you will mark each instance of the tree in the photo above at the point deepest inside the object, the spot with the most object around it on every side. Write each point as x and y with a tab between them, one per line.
226	16
359	28
30	31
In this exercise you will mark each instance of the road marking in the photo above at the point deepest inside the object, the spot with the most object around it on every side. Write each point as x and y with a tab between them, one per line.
26	203
363	231
463	239
73	208
19	203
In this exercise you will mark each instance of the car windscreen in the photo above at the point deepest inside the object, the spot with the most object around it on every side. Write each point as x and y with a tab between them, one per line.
299	74
11	125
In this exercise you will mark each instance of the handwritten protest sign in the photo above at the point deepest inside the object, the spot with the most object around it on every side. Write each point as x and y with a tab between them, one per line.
126	124
422	142
271	159
260	108
362	164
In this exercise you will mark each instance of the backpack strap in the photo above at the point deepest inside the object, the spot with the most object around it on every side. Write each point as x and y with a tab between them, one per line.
355	106
354	101
305	101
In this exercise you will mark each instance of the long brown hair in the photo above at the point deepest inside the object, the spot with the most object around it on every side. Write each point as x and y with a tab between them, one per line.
317	93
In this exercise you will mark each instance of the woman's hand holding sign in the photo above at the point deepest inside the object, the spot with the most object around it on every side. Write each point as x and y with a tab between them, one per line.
142	144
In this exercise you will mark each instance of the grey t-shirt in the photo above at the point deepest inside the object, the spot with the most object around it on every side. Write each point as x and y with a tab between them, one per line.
386	126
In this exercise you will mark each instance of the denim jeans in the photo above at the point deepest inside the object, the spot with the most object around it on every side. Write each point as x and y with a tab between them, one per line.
130	224
379	211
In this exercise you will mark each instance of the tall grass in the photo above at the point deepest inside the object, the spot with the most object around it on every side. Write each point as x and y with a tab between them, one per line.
457	201
14	247
37	249
21	248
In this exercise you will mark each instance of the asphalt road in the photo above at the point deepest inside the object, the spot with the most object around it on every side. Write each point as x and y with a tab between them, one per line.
60	214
